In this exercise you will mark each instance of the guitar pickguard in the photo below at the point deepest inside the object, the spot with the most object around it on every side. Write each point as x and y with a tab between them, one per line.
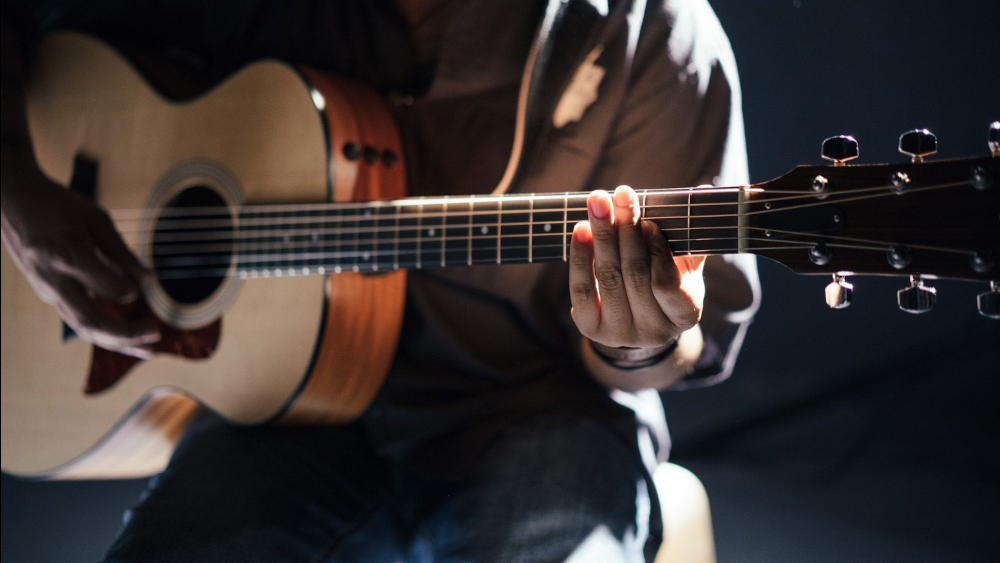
108	367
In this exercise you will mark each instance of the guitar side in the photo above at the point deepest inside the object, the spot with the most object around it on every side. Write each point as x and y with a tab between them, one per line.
290	349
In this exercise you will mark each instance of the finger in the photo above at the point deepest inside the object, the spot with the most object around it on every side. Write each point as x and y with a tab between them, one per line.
97	275
583	295
651	325
616	316
99	326
676	304
110	243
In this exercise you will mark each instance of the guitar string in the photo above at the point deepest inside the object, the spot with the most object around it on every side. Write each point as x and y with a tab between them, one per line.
195	236
337	251
139	214
470	239
438	241
221	218
249	243
295	270
243	261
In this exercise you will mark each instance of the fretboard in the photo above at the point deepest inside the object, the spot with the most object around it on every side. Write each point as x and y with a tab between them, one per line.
415	233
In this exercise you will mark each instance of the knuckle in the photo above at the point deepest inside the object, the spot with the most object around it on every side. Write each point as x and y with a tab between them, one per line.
637	273
604	233
582	292
580	258
609	277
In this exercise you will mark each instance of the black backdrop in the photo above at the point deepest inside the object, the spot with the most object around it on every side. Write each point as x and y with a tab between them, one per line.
863	435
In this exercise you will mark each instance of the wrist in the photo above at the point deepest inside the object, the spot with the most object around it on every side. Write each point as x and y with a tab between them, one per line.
629	358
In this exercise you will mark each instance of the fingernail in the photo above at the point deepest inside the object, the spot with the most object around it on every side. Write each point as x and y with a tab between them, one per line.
623	196
581	232
599	204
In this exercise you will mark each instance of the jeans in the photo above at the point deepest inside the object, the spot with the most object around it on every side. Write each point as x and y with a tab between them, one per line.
553	488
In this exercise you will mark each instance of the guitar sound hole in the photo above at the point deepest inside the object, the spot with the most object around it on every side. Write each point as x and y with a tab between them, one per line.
193	245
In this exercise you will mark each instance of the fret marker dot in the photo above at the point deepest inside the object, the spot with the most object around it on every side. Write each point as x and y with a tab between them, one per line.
485	230
277	273
321	270
547	227
356	269
305	271
291	272
430	232
374	267
366	256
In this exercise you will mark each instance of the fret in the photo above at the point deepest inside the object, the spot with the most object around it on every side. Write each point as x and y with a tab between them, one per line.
310	239
332	238
714	222
499	226
458	225
565	240
531	219
472	205
409	236
364	239
485	221
516	228
244	234
695	221
385	237
444	229
548	229
431	234
395	238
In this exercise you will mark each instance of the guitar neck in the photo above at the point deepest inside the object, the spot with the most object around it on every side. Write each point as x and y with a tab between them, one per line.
417	233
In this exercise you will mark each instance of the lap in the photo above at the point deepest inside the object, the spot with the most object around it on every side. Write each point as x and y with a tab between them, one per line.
545	489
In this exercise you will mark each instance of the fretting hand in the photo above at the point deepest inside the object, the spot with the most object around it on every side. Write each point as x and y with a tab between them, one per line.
626	286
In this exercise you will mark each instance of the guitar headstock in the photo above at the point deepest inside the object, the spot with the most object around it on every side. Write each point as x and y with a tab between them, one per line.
921	220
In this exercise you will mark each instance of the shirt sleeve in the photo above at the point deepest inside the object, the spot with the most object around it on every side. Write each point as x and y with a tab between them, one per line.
681	124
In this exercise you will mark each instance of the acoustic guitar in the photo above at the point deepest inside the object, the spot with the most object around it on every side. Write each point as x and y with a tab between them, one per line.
265	204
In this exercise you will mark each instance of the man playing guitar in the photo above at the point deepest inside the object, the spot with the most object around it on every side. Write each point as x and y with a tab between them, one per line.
520	419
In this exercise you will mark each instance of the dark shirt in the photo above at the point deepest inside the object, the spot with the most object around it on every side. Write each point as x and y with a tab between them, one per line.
485	346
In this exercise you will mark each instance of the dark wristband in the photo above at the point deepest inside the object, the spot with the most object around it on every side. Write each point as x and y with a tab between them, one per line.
625	358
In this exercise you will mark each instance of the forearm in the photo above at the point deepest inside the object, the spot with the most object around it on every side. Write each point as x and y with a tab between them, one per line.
679	363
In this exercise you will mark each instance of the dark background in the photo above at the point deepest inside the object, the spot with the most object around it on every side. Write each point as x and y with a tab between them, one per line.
863	435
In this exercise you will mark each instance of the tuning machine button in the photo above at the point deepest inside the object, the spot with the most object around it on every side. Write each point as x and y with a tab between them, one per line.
989	302
918	298
994	138
840	149
918	143
839	292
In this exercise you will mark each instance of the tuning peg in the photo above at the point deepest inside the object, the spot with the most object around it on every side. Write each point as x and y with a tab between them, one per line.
918	298
995	138
989	302
839	292
918	144
840	149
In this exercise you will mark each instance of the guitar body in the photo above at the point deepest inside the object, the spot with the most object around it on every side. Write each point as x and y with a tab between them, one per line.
253	350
